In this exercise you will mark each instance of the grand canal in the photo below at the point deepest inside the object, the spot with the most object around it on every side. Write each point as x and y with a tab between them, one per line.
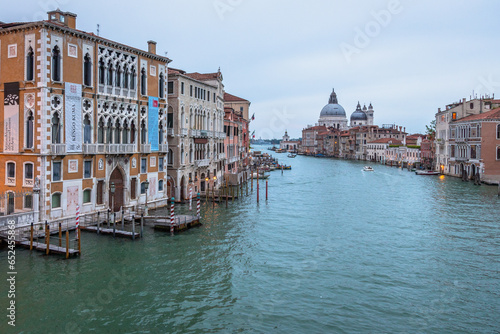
333	250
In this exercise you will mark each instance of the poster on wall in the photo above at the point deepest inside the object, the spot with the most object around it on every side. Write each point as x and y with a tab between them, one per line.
11	118
72	200
73	117
153	123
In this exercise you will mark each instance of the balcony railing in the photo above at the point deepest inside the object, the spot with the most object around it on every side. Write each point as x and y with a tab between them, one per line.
184	132
203	133
170	132
11	181
194	133
222	156
127	148
145	148
163	148
202	163
89	148
58	149
233	159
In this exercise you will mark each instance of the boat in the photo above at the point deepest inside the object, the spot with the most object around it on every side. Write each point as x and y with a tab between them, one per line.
261	176
368	169
426	172
291	155
284	167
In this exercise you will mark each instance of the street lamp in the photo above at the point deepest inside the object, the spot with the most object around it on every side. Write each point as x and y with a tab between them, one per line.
112	188
146	186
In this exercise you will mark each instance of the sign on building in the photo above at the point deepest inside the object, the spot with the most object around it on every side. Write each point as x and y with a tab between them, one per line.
73	117
153	123
11	118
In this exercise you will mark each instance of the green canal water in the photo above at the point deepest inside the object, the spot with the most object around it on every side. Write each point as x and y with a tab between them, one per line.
333	250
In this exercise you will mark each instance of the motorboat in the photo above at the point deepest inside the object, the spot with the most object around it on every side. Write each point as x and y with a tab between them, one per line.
368	169
426	172
260	176
291	155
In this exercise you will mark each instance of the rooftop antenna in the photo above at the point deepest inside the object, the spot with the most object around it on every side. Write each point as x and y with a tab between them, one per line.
98	29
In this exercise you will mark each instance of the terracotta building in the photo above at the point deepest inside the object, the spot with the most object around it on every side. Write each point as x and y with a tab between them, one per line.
83	116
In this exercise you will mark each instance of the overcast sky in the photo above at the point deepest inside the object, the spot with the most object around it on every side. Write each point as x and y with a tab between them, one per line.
406	57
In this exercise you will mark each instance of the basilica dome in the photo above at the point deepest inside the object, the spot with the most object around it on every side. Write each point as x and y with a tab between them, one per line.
333	108
359	115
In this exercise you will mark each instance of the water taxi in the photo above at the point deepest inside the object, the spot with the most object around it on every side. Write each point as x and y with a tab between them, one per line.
426	172
368	169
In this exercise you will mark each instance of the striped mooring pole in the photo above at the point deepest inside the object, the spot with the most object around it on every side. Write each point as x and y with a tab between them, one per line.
172	216
198	206
78	222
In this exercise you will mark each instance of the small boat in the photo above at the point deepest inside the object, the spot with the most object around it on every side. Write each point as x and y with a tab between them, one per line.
291	155
368	169
426	172
284	167
261	176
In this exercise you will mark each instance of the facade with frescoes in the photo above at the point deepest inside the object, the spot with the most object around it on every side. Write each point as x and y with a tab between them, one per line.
81	115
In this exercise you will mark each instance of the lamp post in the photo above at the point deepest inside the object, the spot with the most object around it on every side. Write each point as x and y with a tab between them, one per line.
146	186
112	189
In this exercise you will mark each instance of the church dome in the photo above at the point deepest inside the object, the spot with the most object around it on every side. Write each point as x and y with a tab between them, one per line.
333	108
359	115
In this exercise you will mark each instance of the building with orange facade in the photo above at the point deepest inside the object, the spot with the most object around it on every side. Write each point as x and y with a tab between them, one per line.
84	120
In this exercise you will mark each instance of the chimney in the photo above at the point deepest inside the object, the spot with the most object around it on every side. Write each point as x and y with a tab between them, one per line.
65	18
152	47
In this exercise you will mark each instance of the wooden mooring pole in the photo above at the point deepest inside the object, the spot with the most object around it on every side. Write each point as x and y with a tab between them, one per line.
114	223
133	228
257	192
98	222
47	239
266	189
142	224
31	237
79	241
60	234
123	225
67	244
499	189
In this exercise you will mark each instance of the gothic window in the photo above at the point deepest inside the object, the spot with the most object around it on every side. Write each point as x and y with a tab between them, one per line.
56	64
30	65
132	78
162	86
29	130
126	78
118	80
132	133
87	70
117	132
100	131
170	157
87	130
125	133
160	133
56	129
109	132
143	81
143	133
182	154
102	72
110	74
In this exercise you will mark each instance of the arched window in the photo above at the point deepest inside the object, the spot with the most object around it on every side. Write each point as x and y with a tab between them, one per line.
162	87
100	131
160	133
498	131
87	130
126	77
132	78
56	129
110	73
125	133
143	81
102	72
132	133
11	169
87	70
191	154
160	185
56	64
183	116
30	65
170	157
109	132
117	132
118	80
182	154
87	196
56	200
143	133
29	130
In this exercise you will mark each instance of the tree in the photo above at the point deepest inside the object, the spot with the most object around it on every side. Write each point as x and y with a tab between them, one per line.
430	129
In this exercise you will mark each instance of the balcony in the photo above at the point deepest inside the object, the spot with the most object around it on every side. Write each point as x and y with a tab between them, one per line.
11	181
58	149
233	159
170	132
204	133
202	163
194	133
127	148
184	132
222	135
89	148
222	156
145	148
163	148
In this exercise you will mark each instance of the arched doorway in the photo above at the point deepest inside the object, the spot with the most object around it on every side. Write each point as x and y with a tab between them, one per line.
170	187
116	178
202	183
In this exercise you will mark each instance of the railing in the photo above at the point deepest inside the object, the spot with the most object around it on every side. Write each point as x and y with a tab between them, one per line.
233	159
222	135
184	132
203	133
127	148
145	148
170	132
222	156
163	148
89	148
58	149
194	133
202	163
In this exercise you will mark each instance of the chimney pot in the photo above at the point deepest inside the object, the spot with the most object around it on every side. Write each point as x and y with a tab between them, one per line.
152	47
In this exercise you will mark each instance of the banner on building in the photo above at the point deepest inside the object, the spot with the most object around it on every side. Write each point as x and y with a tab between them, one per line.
153	123
73	117
11	118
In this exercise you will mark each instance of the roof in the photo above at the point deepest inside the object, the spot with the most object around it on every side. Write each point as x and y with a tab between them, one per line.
489	115
415	136
317	127
233	98
386	141
203	76
172	70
